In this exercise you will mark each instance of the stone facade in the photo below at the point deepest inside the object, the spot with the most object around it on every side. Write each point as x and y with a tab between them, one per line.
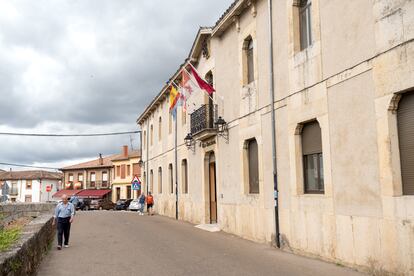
347	80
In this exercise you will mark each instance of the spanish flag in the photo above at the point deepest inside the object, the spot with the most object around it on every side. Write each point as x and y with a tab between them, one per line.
174	97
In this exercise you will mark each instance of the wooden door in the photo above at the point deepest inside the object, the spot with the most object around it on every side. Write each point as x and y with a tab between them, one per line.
213	194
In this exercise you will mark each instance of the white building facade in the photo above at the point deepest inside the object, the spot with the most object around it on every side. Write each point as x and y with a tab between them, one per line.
344	101
31	186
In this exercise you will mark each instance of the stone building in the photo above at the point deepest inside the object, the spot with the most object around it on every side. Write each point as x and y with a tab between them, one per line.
343	75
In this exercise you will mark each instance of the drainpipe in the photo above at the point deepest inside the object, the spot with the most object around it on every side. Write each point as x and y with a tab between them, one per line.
272	97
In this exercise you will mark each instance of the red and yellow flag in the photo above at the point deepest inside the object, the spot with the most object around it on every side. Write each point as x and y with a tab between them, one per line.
174	97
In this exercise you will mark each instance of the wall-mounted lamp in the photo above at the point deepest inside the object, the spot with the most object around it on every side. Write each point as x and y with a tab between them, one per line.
141	164
222	128
189	142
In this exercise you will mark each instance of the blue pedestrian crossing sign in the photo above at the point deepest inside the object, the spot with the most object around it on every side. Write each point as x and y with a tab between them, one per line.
136	184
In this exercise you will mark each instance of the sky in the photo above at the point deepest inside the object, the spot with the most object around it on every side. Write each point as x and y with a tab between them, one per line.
87	66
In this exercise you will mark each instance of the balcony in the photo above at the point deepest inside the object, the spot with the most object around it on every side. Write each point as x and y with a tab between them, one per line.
202	122
14	192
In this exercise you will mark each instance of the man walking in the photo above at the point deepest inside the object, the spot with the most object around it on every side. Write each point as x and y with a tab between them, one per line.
150	203
64	213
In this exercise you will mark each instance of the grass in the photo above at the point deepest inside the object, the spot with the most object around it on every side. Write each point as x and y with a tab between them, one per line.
8	237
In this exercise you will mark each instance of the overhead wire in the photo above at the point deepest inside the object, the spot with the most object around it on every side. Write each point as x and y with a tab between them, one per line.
68	135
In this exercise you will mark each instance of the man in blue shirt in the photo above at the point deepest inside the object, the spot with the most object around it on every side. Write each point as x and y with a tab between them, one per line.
64	213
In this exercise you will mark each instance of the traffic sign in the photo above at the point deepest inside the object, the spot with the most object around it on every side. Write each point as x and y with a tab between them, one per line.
136	183
48	188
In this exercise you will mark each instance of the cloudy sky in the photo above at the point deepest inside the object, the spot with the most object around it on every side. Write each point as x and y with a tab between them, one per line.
85	66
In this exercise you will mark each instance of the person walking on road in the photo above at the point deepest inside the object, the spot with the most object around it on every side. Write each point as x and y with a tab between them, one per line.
141	202
64	213
150	203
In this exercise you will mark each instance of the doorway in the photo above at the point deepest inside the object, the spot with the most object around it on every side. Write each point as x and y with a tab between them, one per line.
118	193
212	187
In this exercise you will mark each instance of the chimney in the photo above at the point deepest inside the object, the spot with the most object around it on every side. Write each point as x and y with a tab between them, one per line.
100	159
125	151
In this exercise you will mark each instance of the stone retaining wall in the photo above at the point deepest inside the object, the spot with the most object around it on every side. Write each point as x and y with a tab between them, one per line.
24	257
9	212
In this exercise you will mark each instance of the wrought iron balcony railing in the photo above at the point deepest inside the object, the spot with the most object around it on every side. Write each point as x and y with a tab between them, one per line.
203	118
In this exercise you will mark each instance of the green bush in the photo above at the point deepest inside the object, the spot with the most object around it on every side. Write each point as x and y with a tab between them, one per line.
8	237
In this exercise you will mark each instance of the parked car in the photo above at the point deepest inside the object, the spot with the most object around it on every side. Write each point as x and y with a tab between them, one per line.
84	204
122	204
134	205
101	204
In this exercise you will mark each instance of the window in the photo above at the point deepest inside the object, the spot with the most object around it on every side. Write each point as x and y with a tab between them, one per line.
145	139
184	176
118	171
104	179
151	181
305	24
312	158
28	198
71	177
151	135
405	119
171	178
93	179
123	171
248	49
160	180
135	169
160	128
128	170
80	177
253	165
28	184
14	189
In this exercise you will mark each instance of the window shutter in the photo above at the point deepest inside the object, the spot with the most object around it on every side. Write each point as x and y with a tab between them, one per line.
253	167
311	138
405	118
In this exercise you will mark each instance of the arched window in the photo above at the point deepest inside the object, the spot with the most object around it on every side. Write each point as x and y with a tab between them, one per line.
312	158
184	176
151	135
248	48
151	181
171	178
405	117
145	139
159	128
305	23
160	180
253	159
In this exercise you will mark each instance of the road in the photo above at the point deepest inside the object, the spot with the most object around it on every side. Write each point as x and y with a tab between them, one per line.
123	243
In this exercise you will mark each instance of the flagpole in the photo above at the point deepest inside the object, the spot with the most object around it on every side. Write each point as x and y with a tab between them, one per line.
176	169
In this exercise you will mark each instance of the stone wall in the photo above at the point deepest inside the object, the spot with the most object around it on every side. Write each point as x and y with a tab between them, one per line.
24	257
9	212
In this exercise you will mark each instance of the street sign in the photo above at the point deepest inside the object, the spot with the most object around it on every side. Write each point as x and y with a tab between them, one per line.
48	188
136	183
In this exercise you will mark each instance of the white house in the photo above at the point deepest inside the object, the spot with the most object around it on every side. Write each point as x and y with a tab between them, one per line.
30	186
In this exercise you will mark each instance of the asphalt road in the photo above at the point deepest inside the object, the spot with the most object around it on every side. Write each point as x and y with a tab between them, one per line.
123	243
